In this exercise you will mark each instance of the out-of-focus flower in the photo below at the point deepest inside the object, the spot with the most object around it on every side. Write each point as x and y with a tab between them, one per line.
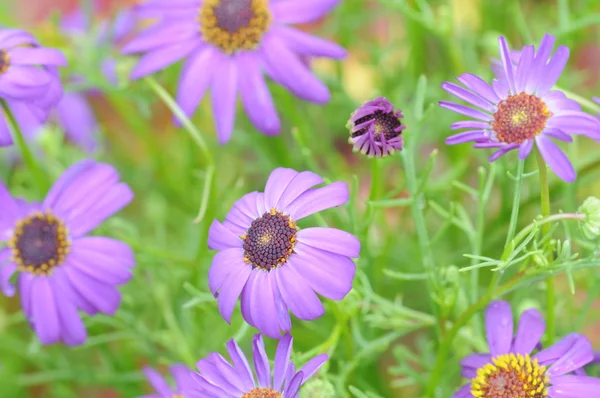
228	45
519	109
183	381
275	266
218	378
59	269
375	128
515	368
29	82
590	227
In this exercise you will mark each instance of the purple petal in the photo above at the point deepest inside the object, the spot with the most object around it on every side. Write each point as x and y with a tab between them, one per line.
499	327
330	239
525	149
278	181
196	76
576	122
507	63
480	87
71	326
76	116
539	62
283	313
7	270
328	274
246	206
464	392
231	290
308	45
318	199
291	72
468	96
465	110
557	134
5	136
556	159
157	382
574	387
552	71
161	35
162	57
524	68
503	151
579	355
35	56
240	363
182	375
225	263
530	331
299	185
223	95
466	136
261	362
105	259
102	297
264	312
292	388
312	366
221	238
282	360
44	311
557	350
246	302
297	294
472	362
296	12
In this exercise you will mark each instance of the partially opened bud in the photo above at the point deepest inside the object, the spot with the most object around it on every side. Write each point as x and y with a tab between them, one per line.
590	227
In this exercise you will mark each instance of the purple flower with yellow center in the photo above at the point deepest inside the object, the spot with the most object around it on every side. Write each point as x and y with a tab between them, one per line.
376	129
60	269
514	368
229	44
520	109
217	377
183	381
273	264
29	80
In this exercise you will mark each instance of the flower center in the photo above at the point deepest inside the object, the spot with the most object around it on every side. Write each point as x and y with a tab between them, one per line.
4	61
39	243
519	118
262	393
385	124
270	240
511	376
234	25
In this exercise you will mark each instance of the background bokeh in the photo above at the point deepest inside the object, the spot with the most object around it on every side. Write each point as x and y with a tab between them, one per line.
381	336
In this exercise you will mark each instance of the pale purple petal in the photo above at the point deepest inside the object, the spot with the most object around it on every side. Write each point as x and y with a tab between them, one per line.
499	327
264	312
298	295
35	56
525	149
77	118
299	185
157	382
44	311
574	387
158	59
549	76
231	290
295	12
556	159
465	110
466	136
194	80
330	239
223	95
579	355
261	362
161	35
278	182
318	199
308	45
220	238
225	263
282	360
468	96
480	87
529	333
241	364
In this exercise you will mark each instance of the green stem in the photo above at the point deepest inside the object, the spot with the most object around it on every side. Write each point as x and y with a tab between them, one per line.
28	158
545	207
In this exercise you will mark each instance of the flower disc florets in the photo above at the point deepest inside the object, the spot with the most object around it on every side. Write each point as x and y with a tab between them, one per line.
519	118
4	61
262	393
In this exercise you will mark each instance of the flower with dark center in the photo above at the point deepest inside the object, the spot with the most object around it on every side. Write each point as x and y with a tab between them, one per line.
182	376
217	377
376	129
229	45
515	367
60	270
29	81
275	266
520	109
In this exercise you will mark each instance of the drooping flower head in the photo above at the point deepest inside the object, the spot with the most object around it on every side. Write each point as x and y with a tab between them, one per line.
273	264
59	269
218	378
29	81
520	109
229	44
183	382
375	128
515	367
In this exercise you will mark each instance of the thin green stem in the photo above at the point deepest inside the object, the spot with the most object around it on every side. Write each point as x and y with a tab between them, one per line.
514	215
545	208
28	158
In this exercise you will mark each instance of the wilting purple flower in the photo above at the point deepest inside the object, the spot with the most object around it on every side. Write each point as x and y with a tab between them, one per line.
275	266
219	378
28	77
59	269
228	45
183	381
520	109
375	128
515	368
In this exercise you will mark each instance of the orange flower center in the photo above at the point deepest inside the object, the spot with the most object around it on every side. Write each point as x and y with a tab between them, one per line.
519	118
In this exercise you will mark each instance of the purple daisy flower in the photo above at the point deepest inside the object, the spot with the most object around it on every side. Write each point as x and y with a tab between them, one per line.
521	110
229	44
375	128
511	369
183	382
28	77
219	378
59	269
275	266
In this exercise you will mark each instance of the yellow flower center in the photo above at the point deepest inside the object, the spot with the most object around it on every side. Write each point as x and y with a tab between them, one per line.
4	61
39	243
262	393
234	25
511	376
519	118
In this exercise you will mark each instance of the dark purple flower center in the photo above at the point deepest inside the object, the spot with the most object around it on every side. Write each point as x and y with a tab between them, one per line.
511	376
39	243
262	393
270	240
4	61
519	118
234	25
386	124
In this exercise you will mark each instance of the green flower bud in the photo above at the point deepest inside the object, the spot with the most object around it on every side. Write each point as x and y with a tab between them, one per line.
590	227
317	388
